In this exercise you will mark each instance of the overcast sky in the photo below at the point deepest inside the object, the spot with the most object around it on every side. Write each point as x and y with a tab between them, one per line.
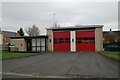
24	14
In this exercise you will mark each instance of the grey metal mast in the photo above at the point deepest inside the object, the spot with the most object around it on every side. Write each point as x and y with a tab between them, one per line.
55	24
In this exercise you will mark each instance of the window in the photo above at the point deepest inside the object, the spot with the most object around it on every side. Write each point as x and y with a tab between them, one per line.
55	38
78	40
42	48
33	42
33	48
82	40
61	38
92	39
38	48
38	44
67	38
85	38
42	42
55	42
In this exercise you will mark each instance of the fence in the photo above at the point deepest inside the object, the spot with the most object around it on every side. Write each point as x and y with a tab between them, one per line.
4	47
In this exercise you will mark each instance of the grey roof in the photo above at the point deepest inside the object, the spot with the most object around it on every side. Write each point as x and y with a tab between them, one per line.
78	26
9	34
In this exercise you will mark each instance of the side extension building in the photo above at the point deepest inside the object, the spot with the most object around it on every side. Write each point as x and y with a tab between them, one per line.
30	43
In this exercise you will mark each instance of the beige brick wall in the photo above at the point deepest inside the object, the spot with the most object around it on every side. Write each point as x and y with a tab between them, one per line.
98	39
20	44
1	38
50	37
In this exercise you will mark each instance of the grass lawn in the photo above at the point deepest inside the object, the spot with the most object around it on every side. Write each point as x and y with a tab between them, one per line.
12	55
113	55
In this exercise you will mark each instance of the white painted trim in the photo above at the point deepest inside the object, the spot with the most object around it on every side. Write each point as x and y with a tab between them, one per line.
72	41
52	41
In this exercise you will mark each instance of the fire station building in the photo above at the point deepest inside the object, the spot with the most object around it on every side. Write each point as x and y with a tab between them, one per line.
75	38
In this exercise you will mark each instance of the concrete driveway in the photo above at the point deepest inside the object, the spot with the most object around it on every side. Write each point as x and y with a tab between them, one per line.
81	65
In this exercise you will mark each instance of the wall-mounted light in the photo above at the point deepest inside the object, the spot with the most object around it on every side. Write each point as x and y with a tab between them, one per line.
72	40
50	40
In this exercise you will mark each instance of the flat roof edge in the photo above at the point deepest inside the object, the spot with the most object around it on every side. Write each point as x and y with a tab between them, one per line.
79	26
45	36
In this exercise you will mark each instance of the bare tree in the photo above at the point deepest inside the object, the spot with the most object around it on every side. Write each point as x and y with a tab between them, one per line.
110	37
32	31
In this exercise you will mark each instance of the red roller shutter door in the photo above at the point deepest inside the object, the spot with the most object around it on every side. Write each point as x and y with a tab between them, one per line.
61	41
85	40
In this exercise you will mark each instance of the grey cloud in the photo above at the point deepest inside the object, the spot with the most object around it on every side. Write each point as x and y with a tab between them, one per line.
24	14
